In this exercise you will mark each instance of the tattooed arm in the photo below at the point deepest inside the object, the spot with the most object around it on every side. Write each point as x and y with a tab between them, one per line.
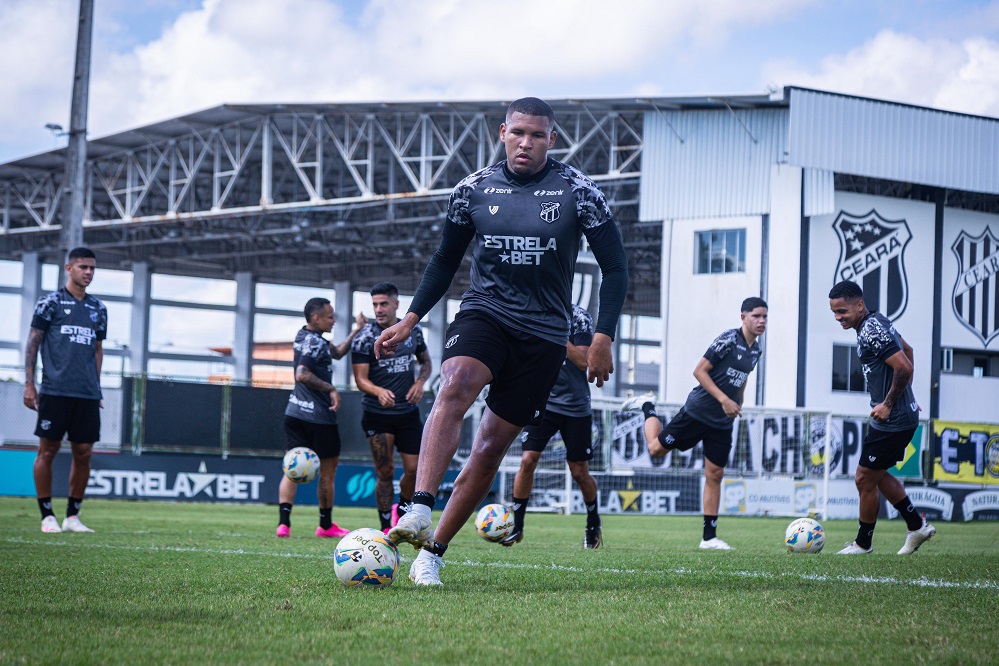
35	337
304	376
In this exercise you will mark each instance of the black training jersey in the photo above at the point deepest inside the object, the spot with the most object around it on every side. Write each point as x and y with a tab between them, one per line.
313	351
394	372
571	394
69	348
732	359
527	235
877	341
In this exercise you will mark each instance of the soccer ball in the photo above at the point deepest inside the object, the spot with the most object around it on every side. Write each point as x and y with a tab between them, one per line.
301	464
804	535
366	557
494	522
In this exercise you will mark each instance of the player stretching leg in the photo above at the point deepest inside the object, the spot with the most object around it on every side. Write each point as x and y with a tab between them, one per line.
567	412
711	408
526	215
391	418
887	363
310	418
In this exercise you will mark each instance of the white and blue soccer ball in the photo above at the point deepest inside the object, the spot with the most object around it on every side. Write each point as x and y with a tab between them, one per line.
804	535
366	557
301	464
494	522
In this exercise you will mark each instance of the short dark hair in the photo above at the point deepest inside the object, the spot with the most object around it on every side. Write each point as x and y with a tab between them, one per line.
80	253
846	290
314	305
752	303
386	288
531	106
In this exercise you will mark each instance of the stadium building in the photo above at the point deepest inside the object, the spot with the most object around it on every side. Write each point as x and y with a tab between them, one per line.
718	198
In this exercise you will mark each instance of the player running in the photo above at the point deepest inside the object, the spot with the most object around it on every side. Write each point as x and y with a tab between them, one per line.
525	216
887	362
568	413
391	418
709	413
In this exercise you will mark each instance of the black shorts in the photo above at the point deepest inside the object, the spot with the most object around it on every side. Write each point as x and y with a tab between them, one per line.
323	438
577	434
524	366
684	432
79	419
881	449
406	428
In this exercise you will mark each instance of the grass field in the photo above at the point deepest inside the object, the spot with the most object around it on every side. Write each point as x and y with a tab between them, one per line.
197	583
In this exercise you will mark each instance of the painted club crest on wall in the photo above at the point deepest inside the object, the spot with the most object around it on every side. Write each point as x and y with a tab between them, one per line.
976	291
872	254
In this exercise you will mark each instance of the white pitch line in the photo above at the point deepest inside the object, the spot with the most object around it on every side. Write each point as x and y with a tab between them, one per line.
761	575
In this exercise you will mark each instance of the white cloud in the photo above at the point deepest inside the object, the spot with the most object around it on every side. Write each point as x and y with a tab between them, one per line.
233	51
954	75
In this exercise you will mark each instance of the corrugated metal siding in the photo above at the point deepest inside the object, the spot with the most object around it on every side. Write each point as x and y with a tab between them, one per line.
706	163
819	192
883	140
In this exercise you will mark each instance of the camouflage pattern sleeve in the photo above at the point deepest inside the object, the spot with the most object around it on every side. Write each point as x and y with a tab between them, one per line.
45	310
721	346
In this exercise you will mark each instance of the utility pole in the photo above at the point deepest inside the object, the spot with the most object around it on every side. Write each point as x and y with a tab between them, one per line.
71	231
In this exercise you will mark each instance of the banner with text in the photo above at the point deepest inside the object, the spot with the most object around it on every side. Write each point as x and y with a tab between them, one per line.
965	452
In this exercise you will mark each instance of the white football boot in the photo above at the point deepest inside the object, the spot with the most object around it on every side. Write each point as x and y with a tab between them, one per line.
426	568
916	538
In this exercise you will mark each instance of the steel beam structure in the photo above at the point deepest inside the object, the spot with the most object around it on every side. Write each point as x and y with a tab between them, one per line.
312	194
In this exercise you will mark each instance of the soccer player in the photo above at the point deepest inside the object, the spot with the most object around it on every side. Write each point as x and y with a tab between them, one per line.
69	326
310	418
887	362
525	215
391	418
567	412
711	408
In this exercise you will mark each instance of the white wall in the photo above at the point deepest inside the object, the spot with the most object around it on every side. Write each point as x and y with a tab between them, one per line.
967	398
781	353
702	306
915	323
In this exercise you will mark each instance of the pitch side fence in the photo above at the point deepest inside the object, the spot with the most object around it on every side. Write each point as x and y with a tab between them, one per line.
783	462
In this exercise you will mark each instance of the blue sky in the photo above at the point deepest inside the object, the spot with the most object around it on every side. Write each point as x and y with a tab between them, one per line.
154	59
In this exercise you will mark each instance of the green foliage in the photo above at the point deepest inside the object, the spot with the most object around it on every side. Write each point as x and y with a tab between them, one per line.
197	583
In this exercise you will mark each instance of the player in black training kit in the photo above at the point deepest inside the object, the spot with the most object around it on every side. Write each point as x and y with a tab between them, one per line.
69	325
310	418
567	412
711	408
391	417
524	217
887	362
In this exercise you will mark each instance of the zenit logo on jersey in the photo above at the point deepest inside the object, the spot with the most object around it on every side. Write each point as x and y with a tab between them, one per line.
872	255
975	298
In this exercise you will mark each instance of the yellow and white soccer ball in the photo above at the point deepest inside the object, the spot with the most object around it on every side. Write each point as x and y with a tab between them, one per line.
366	557
301	464
494	522
804	535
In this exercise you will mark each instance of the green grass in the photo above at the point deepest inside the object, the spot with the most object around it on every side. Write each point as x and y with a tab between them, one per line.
195	583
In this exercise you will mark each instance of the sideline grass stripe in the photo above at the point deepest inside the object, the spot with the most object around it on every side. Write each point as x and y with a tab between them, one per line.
758	575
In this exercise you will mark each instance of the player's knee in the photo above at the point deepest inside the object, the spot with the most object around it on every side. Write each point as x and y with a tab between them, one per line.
714	474
579	470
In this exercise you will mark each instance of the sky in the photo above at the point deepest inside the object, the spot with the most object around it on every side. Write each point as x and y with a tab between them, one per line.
156	59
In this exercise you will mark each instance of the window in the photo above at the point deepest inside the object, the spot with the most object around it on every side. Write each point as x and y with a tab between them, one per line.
847	373
720	251
977	363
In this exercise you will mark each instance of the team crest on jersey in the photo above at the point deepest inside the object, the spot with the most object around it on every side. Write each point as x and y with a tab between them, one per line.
493	210
549	211
977	280
872	254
